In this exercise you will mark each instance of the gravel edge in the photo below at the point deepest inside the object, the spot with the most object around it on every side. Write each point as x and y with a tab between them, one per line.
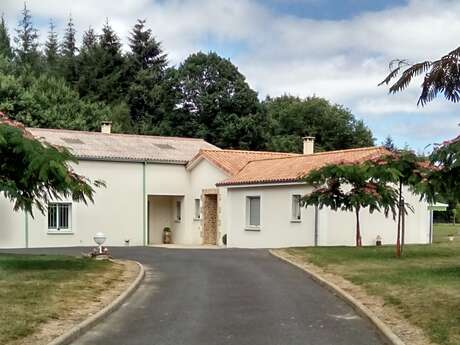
78	330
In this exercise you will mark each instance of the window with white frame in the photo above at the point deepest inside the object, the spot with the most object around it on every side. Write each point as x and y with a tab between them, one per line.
253	211
296	208
59	216
197	209
178	211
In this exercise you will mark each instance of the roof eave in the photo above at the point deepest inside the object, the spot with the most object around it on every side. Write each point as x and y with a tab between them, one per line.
260	182
130	160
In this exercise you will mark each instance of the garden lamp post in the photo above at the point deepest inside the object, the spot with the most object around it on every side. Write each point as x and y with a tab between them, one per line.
99	238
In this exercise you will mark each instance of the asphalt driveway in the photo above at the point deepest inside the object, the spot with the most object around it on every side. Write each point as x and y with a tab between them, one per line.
230	296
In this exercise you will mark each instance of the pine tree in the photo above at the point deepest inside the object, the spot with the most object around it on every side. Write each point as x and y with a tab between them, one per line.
5	44
89	40
52	48
389	144
27	40
68	51
146	52
101	69
69	45
146	67
109	41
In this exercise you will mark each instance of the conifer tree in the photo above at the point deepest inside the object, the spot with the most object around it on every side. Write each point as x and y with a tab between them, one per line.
145	74
27	40
146	52
68	51
89	40
5	44
52	48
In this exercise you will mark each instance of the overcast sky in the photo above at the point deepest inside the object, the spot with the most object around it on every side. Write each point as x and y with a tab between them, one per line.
337	49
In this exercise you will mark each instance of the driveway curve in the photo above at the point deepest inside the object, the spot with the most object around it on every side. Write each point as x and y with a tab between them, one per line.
228	296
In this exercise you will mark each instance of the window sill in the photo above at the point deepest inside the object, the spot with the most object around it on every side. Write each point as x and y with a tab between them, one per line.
60	232
296	220
252	228
196	219
177	221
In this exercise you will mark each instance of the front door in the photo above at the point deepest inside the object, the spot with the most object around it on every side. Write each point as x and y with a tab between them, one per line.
210	219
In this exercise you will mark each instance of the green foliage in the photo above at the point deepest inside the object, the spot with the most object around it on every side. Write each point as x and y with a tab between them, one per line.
52	50
348	187
389	144
146	64
213	96
26	41
101	69
205	96
5	42
48	102
402	168
68	51
45	172
440	76
333	126
443	182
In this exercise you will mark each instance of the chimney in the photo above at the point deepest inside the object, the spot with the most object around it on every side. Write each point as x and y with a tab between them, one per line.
106	127
308	145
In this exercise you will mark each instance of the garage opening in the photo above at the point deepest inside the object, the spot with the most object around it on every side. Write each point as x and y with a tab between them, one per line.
165	211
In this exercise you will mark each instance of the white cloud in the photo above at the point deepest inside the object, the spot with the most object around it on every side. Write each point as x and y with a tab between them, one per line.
342	60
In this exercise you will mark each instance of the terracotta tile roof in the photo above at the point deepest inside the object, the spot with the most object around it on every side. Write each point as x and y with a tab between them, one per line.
232	161
293	169
123	147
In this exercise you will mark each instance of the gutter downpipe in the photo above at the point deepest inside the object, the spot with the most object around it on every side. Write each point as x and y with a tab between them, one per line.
316	225
144	213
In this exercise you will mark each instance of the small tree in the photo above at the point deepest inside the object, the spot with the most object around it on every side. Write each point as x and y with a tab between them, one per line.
351	187
403	168
45	173
443	180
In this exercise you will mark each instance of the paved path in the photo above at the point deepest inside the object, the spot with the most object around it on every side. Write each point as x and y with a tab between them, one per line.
230	296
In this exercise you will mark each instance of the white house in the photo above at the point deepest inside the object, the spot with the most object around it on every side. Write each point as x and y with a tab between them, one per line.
206	195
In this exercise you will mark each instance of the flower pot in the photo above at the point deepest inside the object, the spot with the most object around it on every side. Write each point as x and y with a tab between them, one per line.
167	238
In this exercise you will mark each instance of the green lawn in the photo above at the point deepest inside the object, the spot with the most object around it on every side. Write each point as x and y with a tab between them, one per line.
35	289
424	285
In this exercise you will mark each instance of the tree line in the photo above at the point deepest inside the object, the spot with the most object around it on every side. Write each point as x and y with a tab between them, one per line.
68	84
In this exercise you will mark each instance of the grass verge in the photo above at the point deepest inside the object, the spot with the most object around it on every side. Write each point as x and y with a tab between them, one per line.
424	285
37	289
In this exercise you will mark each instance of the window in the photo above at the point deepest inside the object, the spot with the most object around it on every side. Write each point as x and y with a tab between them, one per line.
197	209
59	216
253	211
178	211
296	214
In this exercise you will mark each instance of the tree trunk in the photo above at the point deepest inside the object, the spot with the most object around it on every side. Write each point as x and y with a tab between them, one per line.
398	236
358	230
403	227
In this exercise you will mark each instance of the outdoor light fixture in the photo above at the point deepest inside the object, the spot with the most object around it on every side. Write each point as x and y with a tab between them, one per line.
99	238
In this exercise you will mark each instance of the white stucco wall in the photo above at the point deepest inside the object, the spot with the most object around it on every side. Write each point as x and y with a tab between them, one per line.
334	228
277	228
116	211
12	226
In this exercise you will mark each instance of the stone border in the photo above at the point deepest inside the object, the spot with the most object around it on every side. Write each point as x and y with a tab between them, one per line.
359	307
78	330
